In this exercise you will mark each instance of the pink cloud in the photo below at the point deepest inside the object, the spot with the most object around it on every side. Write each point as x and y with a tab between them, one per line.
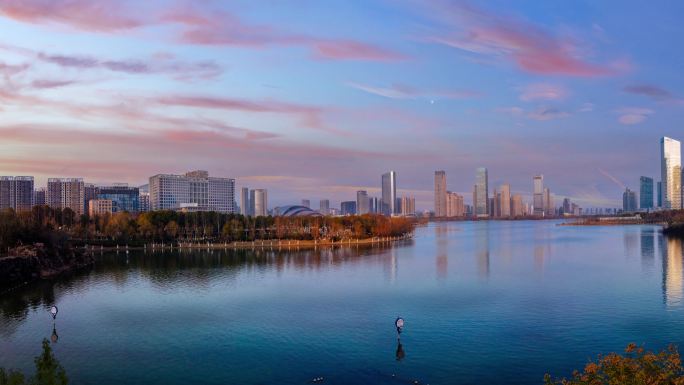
633	115
530	47
97	16
543	91
400	91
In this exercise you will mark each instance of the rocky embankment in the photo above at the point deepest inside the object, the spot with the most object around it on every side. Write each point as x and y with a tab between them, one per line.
29	263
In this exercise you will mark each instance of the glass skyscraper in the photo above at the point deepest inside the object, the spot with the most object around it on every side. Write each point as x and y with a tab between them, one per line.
389	193
645	193
671	173
481	192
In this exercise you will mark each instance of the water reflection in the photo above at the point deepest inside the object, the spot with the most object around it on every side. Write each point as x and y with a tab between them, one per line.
400	354
647	243
442	260
482	249
54	337
672	272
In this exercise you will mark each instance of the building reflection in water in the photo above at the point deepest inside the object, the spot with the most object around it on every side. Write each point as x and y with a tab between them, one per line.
672	272
442	260
647	243
482	249
631	242
391	266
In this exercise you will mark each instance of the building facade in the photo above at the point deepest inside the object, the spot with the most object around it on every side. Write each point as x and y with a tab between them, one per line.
65	193
505	200
629	201
259	202
454	205
645	193
440	194
39	197
671	173
324	207
16	192
144	198
517	206
348	208
244	202
100	207
549	209
194	189
123	197
481	193
389	193
407	206
362	202
538	195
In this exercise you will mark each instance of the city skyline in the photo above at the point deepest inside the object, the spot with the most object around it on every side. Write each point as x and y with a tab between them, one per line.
114	95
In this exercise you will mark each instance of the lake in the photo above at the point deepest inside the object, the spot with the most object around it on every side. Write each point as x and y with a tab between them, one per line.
498	302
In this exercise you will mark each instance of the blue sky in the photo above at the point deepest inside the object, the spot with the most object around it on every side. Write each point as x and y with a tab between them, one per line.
316	99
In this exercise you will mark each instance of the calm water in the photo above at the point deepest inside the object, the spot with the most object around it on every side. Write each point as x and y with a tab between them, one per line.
484	303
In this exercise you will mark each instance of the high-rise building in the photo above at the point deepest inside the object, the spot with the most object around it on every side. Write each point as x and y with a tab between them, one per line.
306	203
407	206
440	194
659	194
144	197
66	193
196	189
671	173
567	206
481	193
39	197
629	201
517	207
362	202
389	193
16	192
324	207
494	209
505	200
348	207
549	210
100	207
90	191
259	201
244	202
123	198
374	205
538	195
455	206
645	193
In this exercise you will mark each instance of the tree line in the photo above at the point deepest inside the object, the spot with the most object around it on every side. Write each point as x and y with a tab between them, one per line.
54	226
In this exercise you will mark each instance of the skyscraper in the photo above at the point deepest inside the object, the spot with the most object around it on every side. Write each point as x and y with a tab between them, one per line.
66	193
362	202
389	193
481	193
659	194
348	207
549	210
517	207
408	206
671	173
505	200
629	201
455	206
440	194
645	193
259	200
244	202
324	207
538	195
16	192
144	197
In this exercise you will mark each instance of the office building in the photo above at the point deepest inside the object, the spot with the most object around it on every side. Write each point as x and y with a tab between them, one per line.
362	202
306	203
549	209
16	192
494	208
324	207
65	193
123	198
90	191
481	193
567	206
671	173
144	198
348	208
538	195
39	197
454	205
194	189
659	194
517	207
100	207
645	193
407	206
374	205
258	200
244	202
389	193
505	200
629	201
440	194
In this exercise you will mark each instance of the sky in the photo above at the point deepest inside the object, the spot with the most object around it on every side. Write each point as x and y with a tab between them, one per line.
316	99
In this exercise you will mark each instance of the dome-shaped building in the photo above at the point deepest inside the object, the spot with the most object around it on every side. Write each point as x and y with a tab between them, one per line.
295	211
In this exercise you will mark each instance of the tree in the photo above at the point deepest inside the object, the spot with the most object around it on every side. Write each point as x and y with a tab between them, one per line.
636	367
48	371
